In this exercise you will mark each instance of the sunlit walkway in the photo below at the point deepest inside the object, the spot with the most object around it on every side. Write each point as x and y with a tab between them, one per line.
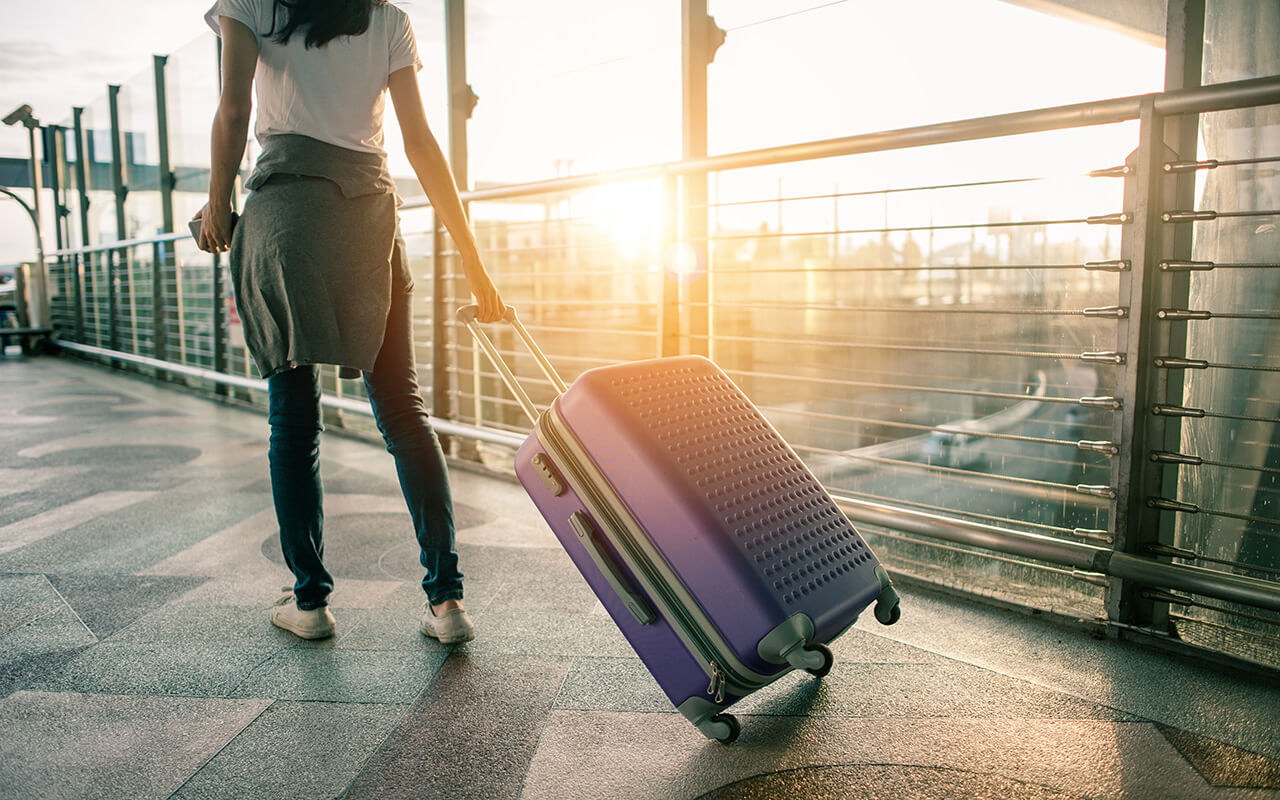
138	558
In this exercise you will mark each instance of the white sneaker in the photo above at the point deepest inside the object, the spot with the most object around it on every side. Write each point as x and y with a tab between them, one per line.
451	627
317	623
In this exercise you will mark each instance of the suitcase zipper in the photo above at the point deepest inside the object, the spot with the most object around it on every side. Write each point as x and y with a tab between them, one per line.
717	682
706	650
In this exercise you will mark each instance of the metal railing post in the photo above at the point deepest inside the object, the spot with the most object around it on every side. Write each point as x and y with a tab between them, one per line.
700	38
1184	49
1138	526
160	255
1139	384
53	154
462	102
669	300
61	213
120	190
220	321
82	183
441	398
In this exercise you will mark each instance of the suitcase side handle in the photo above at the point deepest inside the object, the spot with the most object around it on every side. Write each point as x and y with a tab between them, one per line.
467	316
634	602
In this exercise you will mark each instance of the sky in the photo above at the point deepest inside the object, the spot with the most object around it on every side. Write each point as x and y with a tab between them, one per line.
585	85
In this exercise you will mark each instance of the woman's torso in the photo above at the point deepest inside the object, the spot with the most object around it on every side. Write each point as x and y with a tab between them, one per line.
335	93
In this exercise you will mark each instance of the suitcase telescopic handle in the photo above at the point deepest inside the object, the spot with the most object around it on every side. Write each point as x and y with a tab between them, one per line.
467	316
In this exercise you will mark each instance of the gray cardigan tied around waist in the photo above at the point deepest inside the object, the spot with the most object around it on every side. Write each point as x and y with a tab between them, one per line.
316	256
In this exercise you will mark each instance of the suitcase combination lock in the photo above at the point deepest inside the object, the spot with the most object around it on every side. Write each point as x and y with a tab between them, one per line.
550	478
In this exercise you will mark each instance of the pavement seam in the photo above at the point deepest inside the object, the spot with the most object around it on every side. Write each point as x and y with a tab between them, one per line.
546	719
1013	676
407	707
225	745
69	607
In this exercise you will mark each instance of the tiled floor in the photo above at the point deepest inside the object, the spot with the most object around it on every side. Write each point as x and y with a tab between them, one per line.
138	558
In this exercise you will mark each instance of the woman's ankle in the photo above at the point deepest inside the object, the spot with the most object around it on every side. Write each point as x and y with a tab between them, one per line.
445	606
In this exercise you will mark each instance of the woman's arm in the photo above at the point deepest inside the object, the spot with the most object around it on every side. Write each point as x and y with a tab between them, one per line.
230	131
436	178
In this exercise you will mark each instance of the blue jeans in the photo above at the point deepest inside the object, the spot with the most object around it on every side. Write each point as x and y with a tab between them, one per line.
401	415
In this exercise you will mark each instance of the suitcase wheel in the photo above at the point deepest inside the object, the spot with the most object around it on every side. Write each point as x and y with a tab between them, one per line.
827	660
726	728
888	614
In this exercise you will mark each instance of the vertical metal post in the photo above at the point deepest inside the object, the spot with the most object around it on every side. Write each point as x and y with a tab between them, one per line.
700	37
117	159
57	141
669	308
162	141
55	183
119	189
37	170
441	400
462	101
82	183
38	288
161	255
220	322
1184	63
1142	292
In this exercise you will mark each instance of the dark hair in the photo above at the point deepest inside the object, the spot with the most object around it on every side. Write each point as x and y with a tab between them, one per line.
323	20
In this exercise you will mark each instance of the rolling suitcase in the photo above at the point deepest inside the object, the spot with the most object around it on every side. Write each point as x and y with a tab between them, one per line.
722	559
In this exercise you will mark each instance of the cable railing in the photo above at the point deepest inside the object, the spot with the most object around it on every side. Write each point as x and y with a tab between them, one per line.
1018	406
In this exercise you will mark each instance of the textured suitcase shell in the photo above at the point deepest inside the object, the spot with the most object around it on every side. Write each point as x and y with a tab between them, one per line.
737	517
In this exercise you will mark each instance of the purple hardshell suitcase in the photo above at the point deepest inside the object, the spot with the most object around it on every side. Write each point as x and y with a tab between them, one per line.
722	559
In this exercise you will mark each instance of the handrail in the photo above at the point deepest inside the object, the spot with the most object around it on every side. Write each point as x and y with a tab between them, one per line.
1215	97
1080	556
122	244
443	426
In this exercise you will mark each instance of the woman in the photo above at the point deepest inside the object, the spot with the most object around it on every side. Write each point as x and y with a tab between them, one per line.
320	271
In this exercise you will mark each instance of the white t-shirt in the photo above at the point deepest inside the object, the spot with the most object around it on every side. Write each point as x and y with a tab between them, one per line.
335	93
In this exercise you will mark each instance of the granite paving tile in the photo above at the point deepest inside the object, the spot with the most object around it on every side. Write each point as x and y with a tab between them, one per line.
57	630
393	625
883	782
918	690
24	598
590	755
65	746
107	603
1223	764
470	735
133	538
547	633
185	670
343	676
1238	709
22	673
229	626
262	592
295	750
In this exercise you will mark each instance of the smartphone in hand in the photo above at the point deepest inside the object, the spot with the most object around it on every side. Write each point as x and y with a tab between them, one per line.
194	226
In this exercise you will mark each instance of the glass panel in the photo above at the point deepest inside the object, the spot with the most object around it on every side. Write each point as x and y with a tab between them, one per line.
584	271
605	96
1240	40
141	146
1237	488
913	323
803	70
96	125
191	86
428	31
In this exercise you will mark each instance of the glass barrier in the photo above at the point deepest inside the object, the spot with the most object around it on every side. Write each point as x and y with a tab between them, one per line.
140	143
803	71
592	102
